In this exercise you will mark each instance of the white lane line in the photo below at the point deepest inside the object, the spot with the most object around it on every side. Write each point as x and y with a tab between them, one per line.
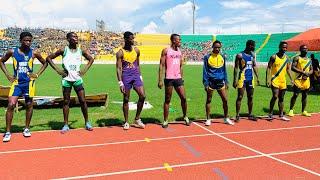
258	152
186	164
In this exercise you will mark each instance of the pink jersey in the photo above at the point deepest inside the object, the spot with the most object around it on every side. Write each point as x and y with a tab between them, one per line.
173	60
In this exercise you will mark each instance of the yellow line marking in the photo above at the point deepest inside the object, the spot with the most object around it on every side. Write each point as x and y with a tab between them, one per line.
168	167
147	140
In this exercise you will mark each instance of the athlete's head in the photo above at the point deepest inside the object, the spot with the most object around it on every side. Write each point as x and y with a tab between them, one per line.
312	56
128	38
251	45
175	40
283	46
216	47
303	50
26	39
72	38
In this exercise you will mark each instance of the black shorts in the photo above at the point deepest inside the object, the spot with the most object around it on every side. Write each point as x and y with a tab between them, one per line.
173	82
216	84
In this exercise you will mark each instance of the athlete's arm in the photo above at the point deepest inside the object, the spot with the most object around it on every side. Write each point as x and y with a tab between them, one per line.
51	56
268	71
289	71
181	65
204	72
161	67
138	60
236	70
294	65
86	54
3	67
255	68
225	70
43	67
119	56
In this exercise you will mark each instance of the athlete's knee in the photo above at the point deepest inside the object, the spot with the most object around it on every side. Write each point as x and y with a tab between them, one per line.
208	100
29	104
224	100
281	99
183	99
126	100
66	102
82	100
239	98
304	95
295	95
250	98
142	98
11	106
167	99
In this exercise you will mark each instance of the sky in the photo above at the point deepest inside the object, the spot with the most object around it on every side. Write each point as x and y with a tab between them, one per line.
164	16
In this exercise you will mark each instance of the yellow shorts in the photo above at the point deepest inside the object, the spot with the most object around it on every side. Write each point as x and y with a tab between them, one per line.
302	84
279	85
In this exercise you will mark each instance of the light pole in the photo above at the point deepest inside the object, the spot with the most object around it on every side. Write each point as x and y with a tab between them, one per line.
193	16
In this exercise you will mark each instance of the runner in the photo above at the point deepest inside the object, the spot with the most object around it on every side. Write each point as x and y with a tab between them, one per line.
171	61
302	66
129	75
278	67
72	76
23	80
215	78
246	63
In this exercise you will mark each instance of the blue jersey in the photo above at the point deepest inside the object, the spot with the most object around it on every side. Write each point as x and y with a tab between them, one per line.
22	65
214	68
246	66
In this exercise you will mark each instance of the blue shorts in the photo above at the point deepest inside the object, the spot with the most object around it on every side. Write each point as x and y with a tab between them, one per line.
26	89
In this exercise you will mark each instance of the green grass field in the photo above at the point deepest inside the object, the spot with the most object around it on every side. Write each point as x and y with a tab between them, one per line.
102	78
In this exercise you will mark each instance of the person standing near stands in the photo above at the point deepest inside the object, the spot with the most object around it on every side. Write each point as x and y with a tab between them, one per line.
215	78
315	77
172	61
246	63
72	77
302	66
278	66
23	80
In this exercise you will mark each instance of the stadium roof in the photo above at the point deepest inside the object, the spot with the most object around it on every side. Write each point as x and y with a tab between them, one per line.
311	38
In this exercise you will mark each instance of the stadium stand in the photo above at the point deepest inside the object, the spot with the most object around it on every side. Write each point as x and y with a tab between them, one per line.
151	45
104	45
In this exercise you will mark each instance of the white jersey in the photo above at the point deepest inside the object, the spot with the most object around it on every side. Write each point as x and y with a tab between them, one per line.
71	62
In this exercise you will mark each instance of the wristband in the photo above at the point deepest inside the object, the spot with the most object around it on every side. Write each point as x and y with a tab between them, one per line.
121	83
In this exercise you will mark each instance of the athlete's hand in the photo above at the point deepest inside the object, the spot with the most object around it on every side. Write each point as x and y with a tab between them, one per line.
292	82
160	84
268	83
62	73
11	78
81	73
122	89
306	73
33	75
235	84
227	86
258	82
